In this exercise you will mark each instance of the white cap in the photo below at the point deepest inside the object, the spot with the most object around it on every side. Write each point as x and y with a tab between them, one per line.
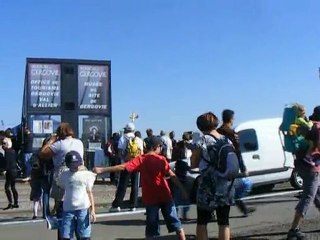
130	127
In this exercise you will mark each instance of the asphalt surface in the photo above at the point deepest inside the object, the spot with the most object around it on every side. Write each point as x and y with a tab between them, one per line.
271	220
103	194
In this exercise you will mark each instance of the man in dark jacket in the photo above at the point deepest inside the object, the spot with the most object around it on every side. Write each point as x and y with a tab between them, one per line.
27	153
227	129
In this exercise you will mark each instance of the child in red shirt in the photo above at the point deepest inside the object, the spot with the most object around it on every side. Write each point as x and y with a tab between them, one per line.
156	193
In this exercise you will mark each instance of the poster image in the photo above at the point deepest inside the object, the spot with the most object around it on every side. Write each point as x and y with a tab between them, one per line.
93	132
48	126
93	87
37	126
44	81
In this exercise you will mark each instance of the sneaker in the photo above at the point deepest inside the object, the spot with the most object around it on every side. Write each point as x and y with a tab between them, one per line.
249	211
15	205
296	234
185	220
133	209
27	179
52	222
115	209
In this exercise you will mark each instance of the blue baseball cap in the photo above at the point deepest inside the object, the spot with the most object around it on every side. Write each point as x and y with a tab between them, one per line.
73	159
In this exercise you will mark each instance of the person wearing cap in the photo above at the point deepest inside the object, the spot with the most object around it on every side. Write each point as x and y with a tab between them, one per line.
125	176
156	193
78	204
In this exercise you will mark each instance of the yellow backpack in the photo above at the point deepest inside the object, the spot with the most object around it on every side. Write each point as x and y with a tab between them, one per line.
133	149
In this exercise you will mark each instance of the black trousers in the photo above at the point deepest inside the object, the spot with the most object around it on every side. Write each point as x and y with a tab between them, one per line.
124	178
10	187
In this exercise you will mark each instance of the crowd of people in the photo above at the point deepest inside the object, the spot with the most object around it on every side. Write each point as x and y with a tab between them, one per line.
61	174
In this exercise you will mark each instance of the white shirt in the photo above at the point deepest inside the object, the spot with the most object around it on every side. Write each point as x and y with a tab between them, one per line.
76	185
61	147
123	142
167	141
140	143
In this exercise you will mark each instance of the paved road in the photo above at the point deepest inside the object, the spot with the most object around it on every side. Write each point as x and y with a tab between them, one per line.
270	221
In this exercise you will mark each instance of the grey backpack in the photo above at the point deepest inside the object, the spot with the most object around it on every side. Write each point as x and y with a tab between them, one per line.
223	158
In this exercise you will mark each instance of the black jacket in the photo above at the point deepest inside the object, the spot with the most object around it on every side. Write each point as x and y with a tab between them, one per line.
10	157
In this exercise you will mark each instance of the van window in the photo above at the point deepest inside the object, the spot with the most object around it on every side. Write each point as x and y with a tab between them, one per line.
248	140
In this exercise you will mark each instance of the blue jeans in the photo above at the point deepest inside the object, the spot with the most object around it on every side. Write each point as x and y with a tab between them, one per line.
310	191
169	214
46	187
77	220
180	202
27	164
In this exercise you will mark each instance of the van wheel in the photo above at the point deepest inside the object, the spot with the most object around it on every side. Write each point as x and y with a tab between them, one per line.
295	180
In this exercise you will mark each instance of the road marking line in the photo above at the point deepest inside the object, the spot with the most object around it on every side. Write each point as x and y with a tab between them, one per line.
271	195
20	222
108	214
98	215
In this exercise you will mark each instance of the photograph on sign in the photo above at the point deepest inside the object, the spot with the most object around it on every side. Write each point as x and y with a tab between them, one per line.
37	126
47	126
93	131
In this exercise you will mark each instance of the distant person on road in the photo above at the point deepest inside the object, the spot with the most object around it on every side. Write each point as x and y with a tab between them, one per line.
244	186
26	150
172	136
181	169
35	184
310	173
166	145
149	133
10	156
125	175
2	160
112	152
156	193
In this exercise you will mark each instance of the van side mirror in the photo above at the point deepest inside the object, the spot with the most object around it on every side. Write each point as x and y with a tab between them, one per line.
250	146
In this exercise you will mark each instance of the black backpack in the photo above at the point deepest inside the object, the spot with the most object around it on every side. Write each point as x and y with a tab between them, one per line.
181	169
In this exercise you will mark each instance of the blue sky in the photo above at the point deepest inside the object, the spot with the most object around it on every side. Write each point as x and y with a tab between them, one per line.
171	59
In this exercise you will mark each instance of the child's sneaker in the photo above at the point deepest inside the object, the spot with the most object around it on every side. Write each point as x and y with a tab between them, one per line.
52	222
296	234
115	209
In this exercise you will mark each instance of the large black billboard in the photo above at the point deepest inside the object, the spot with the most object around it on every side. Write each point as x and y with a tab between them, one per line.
93	88
44	81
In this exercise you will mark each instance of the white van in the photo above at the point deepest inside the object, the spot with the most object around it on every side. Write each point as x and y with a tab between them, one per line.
262	152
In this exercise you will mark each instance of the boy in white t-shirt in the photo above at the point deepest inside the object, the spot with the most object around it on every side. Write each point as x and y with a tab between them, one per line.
78	204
